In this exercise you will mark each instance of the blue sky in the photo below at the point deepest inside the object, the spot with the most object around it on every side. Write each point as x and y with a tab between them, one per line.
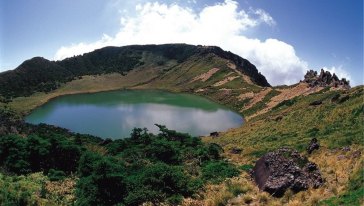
283	38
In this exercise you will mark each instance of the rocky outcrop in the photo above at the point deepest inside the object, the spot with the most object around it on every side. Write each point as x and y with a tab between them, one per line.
284	169
325	79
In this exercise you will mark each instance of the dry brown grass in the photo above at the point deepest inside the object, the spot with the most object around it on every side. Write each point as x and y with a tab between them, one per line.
61	192
286	94
257	98
88	84
335	172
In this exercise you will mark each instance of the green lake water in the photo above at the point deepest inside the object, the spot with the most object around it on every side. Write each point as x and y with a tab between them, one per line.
114	114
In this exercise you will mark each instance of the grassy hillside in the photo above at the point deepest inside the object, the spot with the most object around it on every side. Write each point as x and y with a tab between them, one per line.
276	117
192	76
41	75
337	123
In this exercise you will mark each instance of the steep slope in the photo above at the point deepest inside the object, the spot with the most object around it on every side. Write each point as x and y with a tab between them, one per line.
207	71
334	117
38	74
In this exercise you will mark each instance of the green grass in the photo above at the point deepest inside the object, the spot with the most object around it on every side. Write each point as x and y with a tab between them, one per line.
21	190
335	125
354	196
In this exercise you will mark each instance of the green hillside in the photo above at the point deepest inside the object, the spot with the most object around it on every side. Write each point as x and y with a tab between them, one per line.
41	75
207	171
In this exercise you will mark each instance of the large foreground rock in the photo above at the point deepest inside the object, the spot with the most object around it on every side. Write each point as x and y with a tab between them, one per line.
284	169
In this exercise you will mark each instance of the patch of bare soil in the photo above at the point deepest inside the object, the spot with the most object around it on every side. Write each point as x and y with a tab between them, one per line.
205	76
245	77
246	95
226	80
286	94
257	97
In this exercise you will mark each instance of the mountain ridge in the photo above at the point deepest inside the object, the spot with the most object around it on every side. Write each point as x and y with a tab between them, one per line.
40	74
282	116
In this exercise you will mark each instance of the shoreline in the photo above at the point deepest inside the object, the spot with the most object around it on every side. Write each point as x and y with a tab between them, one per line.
38	99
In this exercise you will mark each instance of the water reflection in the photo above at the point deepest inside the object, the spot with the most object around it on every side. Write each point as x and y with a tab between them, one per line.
114	114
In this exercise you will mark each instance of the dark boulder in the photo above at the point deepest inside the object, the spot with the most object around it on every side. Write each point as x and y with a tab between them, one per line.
343	99
278	118
214	134
284	169
236	150
314	145
315	103
335	98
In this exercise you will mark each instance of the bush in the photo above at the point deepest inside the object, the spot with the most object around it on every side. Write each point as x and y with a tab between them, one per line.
143	168
87	163
216	171
56	175
156	183
13	154
105	186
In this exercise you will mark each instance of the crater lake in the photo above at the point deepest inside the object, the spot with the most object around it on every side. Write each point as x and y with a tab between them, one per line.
114	114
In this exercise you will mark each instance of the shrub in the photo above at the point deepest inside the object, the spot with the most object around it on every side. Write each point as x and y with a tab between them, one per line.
13	154
216	171
56	175
156	183
105	186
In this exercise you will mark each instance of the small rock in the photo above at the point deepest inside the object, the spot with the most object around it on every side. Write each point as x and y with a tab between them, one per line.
236	151
356	154
346	149
311	167
315	103
335	98
341	157
214	134
343	99
279	118
314	145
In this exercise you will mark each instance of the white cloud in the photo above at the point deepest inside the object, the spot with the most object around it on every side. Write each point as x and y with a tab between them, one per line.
265	17
222	24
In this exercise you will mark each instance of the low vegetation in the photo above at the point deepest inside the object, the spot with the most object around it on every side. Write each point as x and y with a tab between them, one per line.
46	165
166	167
